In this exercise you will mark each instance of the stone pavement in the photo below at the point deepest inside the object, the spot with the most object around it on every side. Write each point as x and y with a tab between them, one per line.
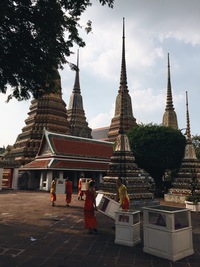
32	233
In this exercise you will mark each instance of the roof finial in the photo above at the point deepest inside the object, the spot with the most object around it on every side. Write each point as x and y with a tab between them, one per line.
169	104
123	82
123	78
188	134
77	82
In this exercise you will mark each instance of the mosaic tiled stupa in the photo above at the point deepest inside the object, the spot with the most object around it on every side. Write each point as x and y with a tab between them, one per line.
48	112
129	120
123	163
75	112
189	169
169	116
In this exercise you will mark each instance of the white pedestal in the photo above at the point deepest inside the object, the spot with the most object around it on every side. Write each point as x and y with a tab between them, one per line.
167	232
60	186
127	228
107	205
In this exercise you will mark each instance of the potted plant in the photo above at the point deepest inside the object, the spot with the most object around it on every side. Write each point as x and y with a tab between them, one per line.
193	202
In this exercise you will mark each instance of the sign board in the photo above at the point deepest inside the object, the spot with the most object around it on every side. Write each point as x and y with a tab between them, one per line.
107	205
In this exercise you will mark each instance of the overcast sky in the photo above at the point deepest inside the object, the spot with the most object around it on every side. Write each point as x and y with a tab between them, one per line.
153	28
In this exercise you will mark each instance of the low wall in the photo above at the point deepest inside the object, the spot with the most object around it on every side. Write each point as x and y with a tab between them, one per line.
174	198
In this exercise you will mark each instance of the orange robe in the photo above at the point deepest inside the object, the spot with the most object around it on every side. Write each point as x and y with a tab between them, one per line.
68	191
89	214
53	191
123	197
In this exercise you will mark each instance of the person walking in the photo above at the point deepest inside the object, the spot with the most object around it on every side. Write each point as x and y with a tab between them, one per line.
68	191
53	192
80	192
122	195
90	208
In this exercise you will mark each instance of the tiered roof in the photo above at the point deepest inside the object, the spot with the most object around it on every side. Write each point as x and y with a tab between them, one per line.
59	151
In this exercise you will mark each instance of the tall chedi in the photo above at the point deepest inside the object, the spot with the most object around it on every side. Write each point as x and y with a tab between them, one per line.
129	120
169	117
189	169
76	114
49	112
123	165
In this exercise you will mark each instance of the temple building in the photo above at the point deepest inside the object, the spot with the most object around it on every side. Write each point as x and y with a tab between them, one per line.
169	117
62	156
75	111
129	120
189	169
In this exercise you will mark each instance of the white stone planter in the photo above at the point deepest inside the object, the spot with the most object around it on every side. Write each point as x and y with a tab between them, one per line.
127	228
193	207
167	232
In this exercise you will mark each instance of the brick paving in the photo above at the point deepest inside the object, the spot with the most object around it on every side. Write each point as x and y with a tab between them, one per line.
33	233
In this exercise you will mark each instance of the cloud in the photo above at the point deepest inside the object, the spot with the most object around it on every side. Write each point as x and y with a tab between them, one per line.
102	119
152	29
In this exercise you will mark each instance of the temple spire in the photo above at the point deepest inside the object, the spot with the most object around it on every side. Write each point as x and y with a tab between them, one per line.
189	148
123	78
169	117
123	119
75	112
76	88
169	104
188	133
189	169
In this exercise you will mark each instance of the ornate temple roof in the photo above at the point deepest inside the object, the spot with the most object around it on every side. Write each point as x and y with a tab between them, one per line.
58	151
169	117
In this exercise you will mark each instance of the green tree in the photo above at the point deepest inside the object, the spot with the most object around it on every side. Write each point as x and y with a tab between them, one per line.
196	143
157	149
36	38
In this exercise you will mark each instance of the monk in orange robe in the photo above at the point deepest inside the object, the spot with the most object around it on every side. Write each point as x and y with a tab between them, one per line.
90	208
53	192
68	191
122	195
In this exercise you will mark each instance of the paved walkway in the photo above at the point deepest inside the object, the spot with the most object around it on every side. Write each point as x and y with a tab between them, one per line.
32	233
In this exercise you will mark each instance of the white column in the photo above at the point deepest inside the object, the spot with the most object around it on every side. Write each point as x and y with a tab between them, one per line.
15	178
41	180
49	180
60	174
100	177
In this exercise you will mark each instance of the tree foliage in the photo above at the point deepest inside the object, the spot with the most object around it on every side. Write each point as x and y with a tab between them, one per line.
196	144
157	149
36	38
